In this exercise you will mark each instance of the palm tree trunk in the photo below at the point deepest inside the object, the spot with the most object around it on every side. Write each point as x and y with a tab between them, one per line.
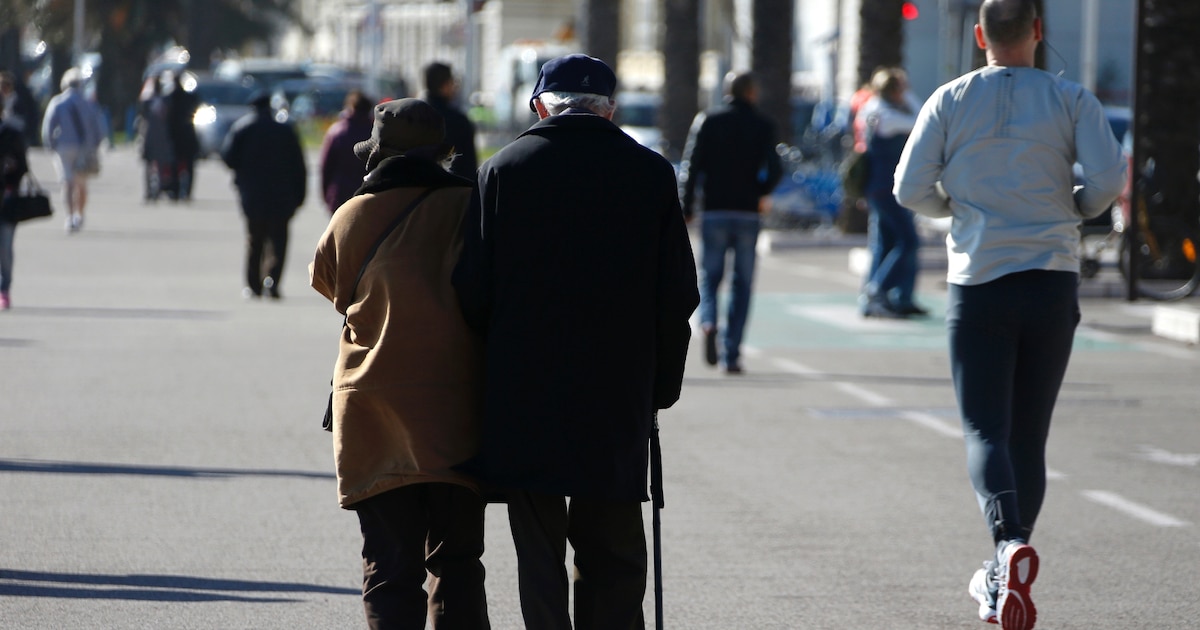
771	61
881	42
601	21
681	70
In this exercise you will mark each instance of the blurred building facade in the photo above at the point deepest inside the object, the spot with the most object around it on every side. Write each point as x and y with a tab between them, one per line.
485	40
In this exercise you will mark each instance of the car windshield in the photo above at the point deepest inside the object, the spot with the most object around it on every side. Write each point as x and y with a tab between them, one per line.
223	93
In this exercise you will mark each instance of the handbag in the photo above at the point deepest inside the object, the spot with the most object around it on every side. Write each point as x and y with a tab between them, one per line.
30	201
854	172
327	421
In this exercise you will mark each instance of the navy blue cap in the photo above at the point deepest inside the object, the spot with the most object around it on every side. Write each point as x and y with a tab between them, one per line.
574	73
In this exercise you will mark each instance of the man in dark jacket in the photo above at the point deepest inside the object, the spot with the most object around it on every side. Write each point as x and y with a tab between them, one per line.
269	171
730	154
581	276
181	109
440	91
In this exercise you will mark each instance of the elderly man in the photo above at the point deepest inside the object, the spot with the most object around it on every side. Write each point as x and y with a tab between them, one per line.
72	129
578	270
994	150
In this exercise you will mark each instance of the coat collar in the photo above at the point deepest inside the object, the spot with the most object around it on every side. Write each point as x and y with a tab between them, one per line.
572	119
402	171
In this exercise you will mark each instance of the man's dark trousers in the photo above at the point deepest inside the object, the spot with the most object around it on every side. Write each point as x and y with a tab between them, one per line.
609	541
259	232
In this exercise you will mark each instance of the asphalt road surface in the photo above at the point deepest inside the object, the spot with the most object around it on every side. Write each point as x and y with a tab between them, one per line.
162	465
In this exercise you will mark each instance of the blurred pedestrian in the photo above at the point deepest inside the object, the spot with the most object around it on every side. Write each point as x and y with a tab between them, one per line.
270	175
889	116
13	166
155	141
441	90
994	150
407	384
341	171
20	111
578	270
730	156
73	130
181	110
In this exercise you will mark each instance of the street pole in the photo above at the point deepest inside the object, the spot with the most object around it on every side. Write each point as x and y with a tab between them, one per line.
373	31
1091	35
469	64
77	43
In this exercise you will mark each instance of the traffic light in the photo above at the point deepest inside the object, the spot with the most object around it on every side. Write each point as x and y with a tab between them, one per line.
910	11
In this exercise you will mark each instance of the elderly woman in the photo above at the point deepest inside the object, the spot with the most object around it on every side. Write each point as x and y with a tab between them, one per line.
408	376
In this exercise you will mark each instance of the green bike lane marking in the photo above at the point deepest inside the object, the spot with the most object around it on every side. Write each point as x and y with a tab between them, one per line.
832	320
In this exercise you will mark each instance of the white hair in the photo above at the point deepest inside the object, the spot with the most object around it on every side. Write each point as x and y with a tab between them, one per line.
559	102
71	78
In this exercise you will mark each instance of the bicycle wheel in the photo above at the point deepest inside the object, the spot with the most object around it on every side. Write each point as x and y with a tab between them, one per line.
1168	267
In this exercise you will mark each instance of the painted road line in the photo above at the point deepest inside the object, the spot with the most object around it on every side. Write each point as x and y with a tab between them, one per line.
1136	510
864	394
795	367
846	317
934	423
1163	456
920	418
812	272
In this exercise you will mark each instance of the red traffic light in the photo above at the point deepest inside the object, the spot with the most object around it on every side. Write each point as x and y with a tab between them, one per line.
910	11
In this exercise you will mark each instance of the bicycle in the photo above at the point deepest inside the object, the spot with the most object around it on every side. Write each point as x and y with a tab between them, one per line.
1164	250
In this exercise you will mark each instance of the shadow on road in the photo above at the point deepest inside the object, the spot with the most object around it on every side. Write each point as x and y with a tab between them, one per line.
162	588
91	468
95	312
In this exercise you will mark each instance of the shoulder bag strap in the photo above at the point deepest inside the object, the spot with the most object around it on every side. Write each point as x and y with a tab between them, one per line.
383	237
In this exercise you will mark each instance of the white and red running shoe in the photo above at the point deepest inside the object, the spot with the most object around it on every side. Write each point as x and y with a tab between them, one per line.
1016	571
982	589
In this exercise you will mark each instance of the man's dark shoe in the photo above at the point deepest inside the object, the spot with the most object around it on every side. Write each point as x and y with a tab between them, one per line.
734	370
710	346
882	311
912	310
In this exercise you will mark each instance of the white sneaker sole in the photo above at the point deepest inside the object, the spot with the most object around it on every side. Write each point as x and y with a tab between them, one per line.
1015	607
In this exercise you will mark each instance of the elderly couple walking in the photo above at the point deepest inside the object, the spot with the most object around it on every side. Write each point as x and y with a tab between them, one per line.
511	337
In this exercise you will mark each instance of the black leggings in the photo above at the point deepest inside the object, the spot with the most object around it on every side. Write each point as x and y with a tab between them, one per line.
1010	341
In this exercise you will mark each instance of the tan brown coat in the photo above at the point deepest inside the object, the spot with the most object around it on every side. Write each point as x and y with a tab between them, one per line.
407	382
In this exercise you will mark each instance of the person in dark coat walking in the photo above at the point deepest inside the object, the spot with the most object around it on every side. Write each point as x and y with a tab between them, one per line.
730	154
581	277
341	170
181	110
270	175
441	88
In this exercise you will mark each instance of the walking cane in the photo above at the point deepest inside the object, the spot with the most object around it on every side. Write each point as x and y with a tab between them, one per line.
656	495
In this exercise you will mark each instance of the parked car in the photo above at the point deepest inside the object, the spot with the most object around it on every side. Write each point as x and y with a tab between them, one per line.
311	98
259	72
222	102
637	115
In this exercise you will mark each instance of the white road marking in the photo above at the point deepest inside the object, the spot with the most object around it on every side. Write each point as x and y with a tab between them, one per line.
815	272
847	317
864	394
1136	510
795	367
934	423
1163	456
